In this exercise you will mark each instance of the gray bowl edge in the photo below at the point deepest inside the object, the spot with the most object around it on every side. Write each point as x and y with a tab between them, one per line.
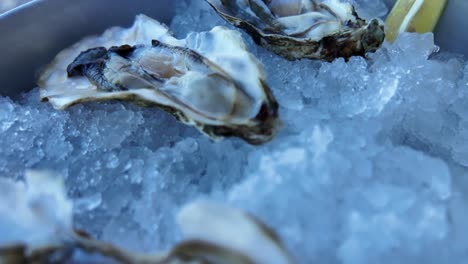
32	34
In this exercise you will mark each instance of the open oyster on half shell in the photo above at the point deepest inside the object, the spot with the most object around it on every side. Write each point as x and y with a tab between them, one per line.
208	80
297	29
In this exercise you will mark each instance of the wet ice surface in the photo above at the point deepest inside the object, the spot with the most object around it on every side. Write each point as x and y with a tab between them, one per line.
370	167
6	5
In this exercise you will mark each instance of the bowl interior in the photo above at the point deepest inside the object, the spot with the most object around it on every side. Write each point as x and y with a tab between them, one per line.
34	33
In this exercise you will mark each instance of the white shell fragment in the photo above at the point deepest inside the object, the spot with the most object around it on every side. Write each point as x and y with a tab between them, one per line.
35	212
35	216
233	230
208	80
297	29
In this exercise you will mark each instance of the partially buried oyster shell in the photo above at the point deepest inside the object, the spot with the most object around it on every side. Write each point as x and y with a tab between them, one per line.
36	219
297	29
207	80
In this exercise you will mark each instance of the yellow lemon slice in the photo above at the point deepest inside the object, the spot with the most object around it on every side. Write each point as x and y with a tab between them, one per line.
414	16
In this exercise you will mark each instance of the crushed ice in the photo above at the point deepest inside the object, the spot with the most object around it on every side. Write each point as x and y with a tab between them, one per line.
370	167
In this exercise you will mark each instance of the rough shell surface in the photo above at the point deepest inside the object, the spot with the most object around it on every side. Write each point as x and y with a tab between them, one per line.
37	227
208	80
297	29
251	238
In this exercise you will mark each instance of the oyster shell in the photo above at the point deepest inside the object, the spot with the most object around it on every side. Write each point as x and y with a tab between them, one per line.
208	80
242	237
37	227
297	29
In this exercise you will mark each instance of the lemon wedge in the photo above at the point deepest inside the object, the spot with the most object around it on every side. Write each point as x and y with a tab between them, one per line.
414	16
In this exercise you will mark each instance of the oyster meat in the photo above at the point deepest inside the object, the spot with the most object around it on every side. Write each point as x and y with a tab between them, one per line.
208	80
297	29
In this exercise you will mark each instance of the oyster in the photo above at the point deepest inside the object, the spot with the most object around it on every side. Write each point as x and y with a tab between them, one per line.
297	29
207	80
251	241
